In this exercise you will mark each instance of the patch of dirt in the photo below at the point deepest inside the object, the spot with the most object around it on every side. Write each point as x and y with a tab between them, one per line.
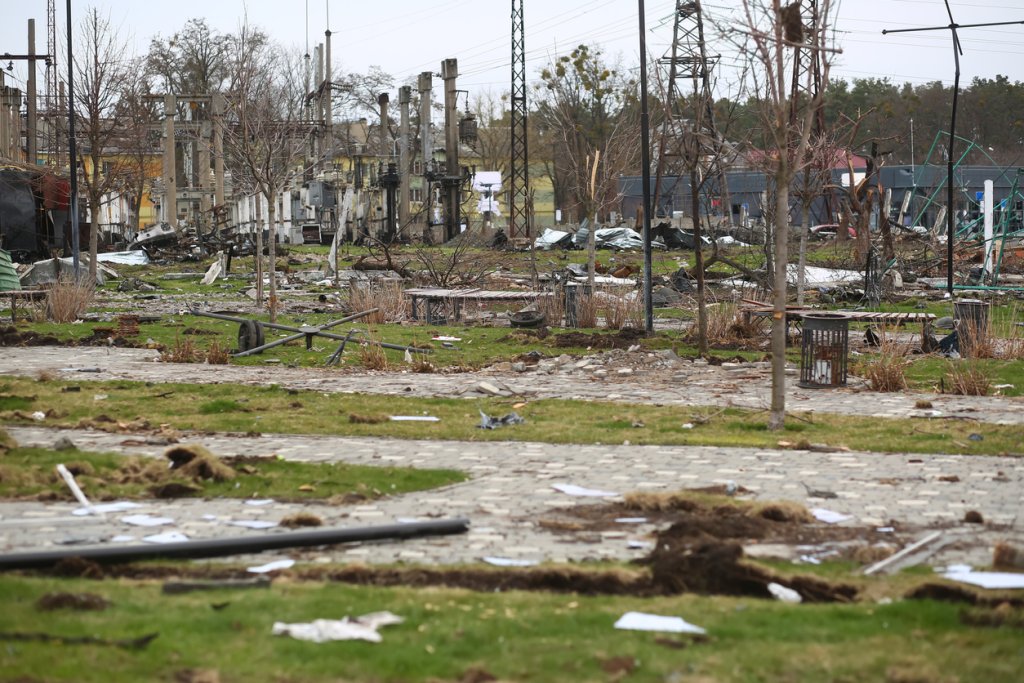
81	602
11	336
1003	615
622	339
196	462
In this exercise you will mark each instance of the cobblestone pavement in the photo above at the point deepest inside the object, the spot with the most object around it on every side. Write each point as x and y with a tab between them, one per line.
510	487
638	377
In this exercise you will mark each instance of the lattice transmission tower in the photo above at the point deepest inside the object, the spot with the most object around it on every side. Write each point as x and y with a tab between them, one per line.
687	59
519	172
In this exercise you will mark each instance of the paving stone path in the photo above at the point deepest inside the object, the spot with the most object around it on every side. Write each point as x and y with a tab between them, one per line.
510	489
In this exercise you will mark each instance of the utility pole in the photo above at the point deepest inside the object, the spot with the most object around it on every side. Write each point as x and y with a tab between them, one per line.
218	148
425	86
404	99
31	125
519	172
170	163
452	181
72	153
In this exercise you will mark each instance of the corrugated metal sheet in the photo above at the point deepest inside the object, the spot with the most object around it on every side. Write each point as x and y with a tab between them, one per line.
8	276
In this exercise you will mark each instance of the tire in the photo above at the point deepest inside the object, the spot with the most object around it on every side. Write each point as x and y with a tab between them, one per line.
250	335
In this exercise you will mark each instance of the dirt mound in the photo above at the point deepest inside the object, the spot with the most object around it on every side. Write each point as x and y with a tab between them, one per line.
195	462
622	339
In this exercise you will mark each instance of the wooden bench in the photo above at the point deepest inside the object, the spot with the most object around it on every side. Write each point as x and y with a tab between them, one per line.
24	295
434	299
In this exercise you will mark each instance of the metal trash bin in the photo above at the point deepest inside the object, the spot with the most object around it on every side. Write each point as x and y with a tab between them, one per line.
970	320
823	350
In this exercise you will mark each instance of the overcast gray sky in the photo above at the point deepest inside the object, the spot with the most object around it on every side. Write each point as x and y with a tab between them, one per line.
405	37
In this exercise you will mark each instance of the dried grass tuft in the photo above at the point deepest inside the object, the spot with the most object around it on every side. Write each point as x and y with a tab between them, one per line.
371	354
659	502
624	311
47	376
975	341
967	378
357	419
888	371
1013	345
552	307
68	299
217	354
301	519
586	310
385	295
183	351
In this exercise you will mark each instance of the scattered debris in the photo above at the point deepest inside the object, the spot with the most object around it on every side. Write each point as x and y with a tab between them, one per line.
904	557
488	422
69	479
301	519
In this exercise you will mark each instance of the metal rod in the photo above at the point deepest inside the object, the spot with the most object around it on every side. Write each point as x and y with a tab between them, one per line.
645	164
948	26
276	326
220	547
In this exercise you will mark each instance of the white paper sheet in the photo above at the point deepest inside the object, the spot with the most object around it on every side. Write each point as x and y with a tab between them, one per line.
989	580
573	490
414	418
166	537
146	520
259	502
829	516
120	506
510	562
271	566
631	520
252	523
640	621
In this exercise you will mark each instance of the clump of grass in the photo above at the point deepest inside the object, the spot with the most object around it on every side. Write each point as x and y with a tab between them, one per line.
1013	345
68	299
46	376
967	378
357	419
976	341
217	354
659	502
421	365
387	296
371	354
183	351
888	370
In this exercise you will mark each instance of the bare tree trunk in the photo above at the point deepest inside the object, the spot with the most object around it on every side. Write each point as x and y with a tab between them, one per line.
801	273
777	417
272	258
698	267
591	255
259	249
94	229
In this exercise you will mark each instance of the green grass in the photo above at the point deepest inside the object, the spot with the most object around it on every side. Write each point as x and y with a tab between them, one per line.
30	472
276	410
514	636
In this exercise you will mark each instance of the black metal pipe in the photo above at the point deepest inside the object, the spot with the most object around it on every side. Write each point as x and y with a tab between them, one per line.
645	163
220	547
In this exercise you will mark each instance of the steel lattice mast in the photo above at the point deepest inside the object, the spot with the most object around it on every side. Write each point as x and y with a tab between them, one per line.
687	59
519	181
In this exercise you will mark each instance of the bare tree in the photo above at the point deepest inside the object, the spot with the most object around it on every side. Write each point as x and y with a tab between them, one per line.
591	112
772	35
101	68
265	136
